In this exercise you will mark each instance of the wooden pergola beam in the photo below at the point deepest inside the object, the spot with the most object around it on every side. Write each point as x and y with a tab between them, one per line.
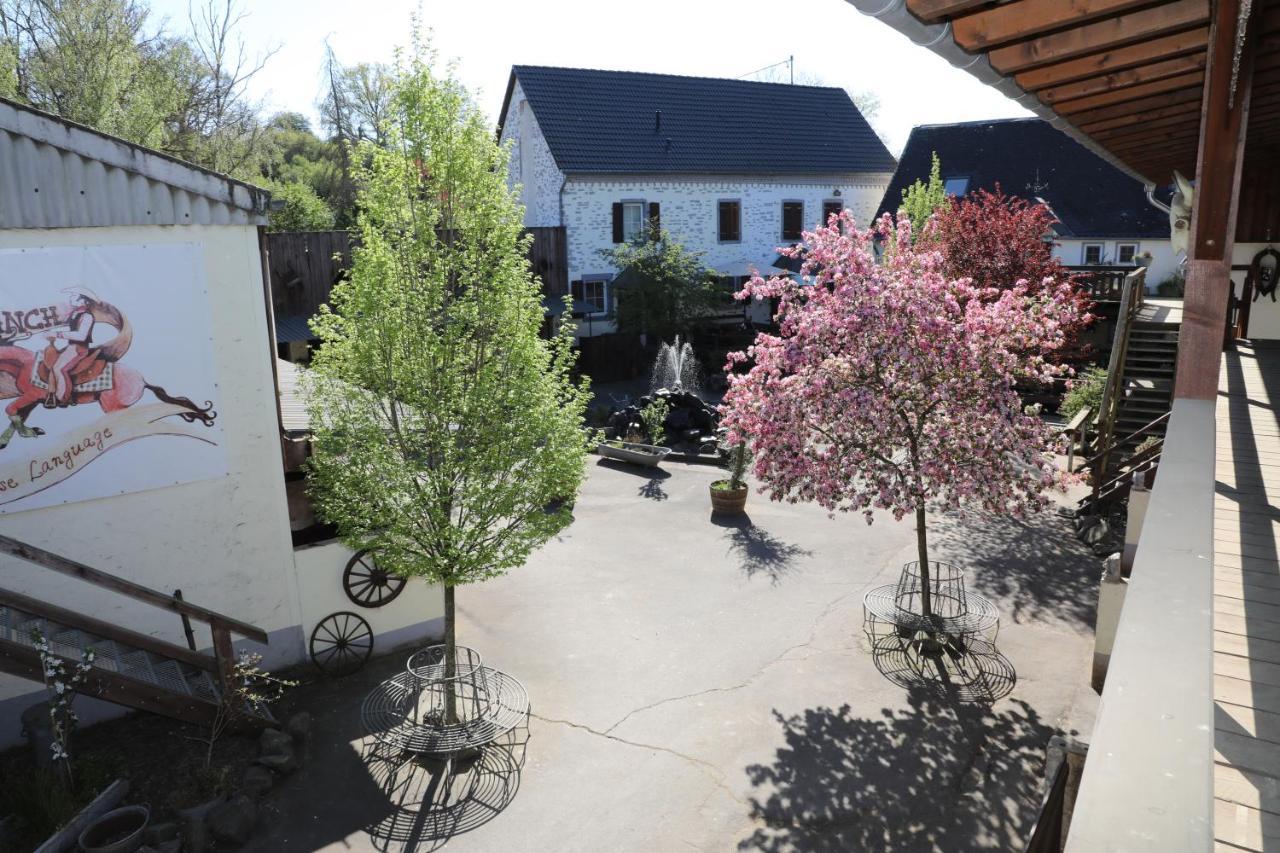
1119	59
1191	82
1129	78
1024	19
1100	35
1165	125
1131	119
1155	102
933	11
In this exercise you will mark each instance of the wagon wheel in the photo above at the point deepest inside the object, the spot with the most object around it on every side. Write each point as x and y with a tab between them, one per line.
369	585
341	643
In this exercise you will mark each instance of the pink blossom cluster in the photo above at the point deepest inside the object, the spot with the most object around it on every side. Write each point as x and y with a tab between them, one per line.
890	386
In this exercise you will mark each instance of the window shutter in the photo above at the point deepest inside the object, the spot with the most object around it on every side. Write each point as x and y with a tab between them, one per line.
617	222
655	215
792	220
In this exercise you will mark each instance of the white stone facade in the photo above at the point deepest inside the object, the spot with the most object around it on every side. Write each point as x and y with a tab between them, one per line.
688	206
1164	263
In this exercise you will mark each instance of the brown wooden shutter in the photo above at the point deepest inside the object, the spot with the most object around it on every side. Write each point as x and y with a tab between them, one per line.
655	215
617	222
792	220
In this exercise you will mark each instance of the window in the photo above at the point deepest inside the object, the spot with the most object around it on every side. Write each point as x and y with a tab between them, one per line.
956	186
1126	253
590	295
628	221
828	208
792	219
1092	253
730	229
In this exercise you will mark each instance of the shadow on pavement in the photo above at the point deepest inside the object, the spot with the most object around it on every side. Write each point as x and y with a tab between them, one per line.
759	552
979	673
651	488
934	776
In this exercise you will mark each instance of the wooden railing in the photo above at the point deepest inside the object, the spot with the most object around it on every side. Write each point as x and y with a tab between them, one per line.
1113	391
1103	283
222	664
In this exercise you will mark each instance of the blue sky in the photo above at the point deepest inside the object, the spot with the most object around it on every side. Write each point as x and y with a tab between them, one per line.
830	40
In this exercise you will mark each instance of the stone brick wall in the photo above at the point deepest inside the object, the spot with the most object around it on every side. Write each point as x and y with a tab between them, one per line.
531	165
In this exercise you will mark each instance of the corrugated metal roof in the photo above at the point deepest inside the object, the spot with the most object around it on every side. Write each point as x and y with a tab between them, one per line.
58	174
293	328
293	410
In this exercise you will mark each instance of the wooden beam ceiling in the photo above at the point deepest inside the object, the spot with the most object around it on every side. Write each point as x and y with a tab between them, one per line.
1128	78
1021	20
1183	82
1110	61
1100	35
933	11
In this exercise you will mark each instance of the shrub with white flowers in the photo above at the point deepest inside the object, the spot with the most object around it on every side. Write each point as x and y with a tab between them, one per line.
62	687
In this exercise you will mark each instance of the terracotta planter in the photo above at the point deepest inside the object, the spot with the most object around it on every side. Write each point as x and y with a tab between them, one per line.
118	831
728	501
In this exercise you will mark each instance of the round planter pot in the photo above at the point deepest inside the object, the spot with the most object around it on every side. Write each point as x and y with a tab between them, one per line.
118	831
728	501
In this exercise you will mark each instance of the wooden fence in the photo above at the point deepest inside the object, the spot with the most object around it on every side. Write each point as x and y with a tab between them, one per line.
305	265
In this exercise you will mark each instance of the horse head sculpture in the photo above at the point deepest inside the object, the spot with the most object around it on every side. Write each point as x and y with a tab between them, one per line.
1180	214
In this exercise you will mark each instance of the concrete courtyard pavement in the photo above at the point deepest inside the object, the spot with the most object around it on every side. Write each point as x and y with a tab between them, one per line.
705	685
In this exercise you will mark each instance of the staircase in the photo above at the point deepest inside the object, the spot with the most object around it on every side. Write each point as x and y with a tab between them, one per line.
1150	360
129	668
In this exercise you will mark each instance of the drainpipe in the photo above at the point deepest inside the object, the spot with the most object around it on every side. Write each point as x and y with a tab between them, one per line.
937	38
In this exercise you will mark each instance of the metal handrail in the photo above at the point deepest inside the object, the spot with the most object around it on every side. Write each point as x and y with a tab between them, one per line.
1138	433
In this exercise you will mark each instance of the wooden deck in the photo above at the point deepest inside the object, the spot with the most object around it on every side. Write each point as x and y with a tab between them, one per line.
1246	614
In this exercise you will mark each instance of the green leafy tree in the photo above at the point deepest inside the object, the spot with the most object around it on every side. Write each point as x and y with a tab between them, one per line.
920	200
302	209
447	434
662	289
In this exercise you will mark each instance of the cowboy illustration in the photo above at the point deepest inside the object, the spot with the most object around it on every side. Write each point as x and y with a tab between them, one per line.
96	334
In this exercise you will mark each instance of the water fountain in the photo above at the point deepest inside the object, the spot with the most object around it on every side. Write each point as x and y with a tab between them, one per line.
691	423
675	368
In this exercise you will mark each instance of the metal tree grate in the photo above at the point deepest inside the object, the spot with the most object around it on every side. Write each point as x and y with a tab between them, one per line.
405	713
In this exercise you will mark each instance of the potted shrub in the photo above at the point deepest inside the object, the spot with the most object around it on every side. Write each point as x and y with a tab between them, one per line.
729	496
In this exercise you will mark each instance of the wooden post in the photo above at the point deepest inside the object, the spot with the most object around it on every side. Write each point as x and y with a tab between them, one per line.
225	655
1224	114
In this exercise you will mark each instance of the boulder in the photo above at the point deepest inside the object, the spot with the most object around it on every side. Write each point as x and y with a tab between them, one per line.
257	780
275	742
282	764
233	821
299	727
195	828
158	833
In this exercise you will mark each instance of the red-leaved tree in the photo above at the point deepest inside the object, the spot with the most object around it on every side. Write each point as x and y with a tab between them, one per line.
996	240
890	385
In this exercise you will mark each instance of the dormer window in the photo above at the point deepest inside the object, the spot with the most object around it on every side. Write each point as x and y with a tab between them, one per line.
956	186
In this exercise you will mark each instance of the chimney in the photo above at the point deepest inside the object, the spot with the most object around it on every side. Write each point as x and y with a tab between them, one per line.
657	120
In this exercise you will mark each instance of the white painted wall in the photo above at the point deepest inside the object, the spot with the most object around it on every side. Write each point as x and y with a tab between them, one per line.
1264	315
1163	261
224	542
531	165
689	209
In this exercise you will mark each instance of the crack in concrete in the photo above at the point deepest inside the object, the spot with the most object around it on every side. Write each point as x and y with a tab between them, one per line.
758	673
713	772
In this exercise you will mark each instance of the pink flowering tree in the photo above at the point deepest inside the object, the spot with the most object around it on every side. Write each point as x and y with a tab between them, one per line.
891	387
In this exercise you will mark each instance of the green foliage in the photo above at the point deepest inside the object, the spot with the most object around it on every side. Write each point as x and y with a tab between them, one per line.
654	418
662	288
444	426
303	210
920	200
1085	392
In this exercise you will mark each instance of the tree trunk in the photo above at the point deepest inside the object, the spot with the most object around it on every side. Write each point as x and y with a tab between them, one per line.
450	659
922	545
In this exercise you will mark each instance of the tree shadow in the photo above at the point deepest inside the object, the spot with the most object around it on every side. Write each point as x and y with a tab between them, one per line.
1032	569
758	551
932	777
432	800
651	488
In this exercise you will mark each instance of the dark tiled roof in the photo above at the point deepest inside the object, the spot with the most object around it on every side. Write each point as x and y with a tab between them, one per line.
1028	158
292	328
605	121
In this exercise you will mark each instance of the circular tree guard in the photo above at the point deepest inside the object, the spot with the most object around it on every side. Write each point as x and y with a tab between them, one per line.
341	643
405	712
369	585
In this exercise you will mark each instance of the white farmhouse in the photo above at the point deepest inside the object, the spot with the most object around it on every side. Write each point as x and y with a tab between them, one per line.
730	168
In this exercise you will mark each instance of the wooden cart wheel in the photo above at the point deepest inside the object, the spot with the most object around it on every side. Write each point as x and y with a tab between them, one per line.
369	585
341	643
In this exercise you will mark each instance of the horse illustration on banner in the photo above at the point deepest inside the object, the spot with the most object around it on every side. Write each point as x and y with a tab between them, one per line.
79	364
